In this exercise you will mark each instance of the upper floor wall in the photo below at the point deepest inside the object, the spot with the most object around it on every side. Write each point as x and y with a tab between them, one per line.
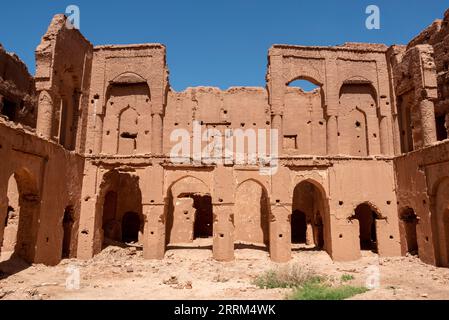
355	94
127	100
370	100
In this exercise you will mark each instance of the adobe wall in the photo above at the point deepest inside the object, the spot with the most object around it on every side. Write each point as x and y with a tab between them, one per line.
121	74
134	113
363	143
36	166
355	88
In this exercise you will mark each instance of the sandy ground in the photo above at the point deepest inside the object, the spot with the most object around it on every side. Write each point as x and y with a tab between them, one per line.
191	273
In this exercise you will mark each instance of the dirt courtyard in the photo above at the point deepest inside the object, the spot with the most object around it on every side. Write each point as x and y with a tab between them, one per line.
189	272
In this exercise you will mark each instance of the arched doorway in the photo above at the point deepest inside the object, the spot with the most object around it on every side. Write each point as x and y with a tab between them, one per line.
367	217
189	214
119	210
131	226
19	239
251	215
409	222
309	224
67	225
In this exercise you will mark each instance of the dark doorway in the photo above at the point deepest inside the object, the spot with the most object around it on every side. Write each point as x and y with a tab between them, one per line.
299	227
367	223
9	109
204	218
67	224
111	227
440	121
410	221
130	227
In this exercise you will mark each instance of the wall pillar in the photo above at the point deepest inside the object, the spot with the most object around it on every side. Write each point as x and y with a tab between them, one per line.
309	234
332	135
384	143
45	114
154	232
427	113
89	236
280	233
98	139
157	136
276	124
223	245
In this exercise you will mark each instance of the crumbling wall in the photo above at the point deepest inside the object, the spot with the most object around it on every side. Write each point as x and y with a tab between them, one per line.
17	92
437	36
415	86
419	77
63	72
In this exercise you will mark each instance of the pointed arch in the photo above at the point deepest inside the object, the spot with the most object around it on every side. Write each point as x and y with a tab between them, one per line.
310	219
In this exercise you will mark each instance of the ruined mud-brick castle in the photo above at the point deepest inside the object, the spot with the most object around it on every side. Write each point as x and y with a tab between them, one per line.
363	158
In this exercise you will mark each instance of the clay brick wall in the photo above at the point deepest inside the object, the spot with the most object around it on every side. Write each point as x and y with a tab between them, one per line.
113	106
36	166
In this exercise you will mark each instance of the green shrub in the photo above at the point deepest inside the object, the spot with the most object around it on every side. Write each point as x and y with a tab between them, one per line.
347	277
290	276
320	291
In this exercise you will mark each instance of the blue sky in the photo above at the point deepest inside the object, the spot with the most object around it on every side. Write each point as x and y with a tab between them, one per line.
218	43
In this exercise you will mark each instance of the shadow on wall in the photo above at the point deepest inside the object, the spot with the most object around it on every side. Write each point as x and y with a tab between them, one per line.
20	226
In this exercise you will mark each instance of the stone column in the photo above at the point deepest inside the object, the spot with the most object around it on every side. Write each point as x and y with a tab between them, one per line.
157	136
45	114
154	232
223	247
332	135
427	113
280	234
